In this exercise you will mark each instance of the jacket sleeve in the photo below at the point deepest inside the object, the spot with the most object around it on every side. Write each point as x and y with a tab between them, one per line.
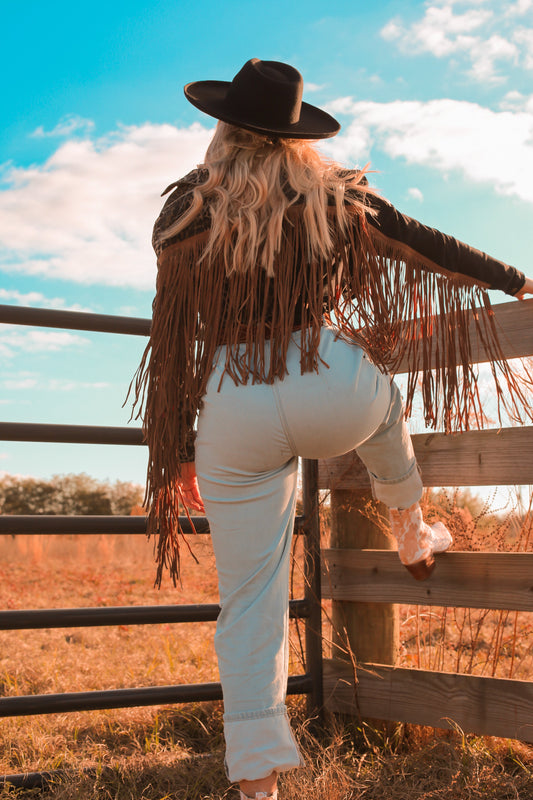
440	252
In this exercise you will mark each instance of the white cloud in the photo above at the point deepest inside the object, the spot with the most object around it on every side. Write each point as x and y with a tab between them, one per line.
444	135
86	215
128	311
512	101
524	36
516	101
37	300
22	379
486	37
415	194
354	143
519	8
14	384
485	54
63	385
440	31
393	30
65	127
32	380
14	340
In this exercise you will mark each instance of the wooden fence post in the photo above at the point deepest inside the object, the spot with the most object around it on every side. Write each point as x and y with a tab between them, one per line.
370	629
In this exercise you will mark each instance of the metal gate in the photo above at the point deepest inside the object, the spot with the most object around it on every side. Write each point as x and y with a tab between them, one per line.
307	608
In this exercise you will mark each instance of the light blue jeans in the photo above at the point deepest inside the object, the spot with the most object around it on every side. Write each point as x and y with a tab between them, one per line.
248	444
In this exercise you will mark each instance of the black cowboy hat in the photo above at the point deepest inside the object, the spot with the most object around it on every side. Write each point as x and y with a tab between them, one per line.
264	97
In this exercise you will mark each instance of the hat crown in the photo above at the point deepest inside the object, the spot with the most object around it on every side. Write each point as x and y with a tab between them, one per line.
264	97
269	91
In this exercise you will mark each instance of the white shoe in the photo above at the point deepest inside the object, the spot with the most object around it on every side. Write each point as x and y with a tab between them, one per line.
260	796
441	538
418	541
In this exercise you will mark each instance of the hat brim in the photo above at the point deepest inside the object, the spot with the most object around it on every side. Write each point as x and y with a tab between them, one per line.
211	98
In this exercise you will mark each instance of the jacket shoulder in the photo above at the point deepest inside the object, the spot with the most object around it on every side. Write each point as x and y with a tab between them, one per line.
177	203
193	178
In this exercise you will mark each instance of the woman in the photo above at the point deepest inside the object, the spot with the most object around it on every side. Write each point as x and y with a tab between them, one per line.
286	289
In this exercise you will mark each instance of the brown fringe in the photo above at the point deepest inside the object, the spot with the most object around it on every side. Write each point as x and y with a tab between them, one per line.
385	298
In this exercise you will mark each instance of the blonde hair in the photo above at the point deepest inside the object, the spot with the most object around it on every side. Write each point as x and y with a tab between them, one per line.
252	182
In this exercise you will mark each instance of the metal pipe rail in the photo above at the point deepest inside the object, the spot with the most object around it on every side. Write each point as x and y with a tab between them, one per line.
42	780
69	434
27	705
59	523
74	320
122	615
15	524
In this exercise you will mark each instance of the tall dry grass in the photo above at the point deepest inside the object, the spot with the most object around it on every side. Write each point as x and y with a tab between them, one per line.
494	643
177	752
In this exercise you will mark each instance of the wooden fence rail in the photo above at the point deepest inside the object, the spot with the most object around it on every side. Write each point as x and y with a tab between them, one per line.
491	457
360	578
462	580
486	706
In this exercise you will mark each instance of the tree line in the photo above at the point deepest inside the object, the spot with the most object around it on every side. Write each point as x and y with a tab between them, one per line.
68	494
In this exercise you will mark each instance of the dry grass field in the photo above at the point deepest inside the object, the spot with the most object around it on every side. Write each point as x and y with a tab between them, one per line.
177	751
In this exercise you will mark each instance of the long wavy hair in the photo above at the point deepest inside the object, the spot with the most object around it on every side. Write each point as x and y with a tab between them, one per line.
252	181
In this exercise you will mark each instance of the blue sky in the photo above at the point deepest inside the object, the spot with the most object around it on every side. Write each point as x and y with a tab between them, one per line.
93	125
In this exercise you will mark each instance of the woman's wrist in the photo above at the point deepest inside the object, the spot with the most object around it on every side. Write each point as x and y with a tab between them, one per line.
526	289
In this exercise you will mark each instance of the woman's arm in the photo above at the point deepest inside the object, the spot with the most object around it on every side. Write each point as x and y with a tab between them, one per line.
527	288
188	485
440	252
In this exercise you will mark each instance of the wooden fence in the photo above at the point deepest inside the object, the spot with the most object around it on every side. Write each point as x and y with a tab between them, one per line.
365	582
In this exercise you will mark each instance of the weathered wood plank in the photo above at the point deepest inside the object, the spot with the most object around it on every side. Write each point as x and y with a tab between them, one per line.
474	458
464	580
485	706
514	324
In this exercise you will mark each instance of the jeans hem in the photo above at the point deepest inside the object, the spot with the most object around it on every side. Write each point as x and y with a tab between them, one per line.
259	746
399	492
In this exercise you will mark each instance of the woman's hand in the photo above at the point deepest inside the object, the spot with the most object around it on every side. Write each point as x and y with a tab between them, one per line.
188	485
527	288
